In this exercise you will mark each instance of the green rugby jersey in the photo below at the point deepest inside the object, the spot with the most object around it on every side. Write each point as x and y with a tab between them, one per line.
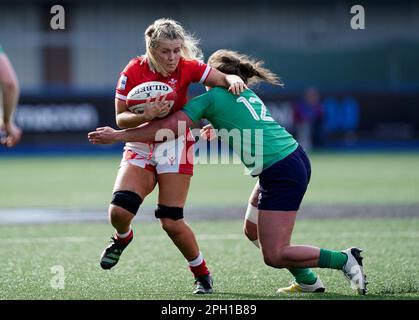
1	49
246	124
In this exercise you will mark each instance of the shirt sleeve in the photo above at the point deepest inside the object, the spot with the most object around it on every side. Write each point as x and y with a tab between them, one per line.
199	71
197	108
123	86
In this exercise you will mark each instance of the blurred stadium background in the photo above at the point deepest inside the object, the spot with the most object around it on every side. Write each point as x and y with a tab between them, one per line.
364	145
368	79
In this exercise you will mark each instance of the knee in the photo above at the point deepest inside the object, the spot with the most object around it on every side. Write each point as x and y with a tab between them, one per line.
166	212
171	219
250	227
267	259
124	206
125	200
118	215
247	233
10	85
170	226
250	230
273	258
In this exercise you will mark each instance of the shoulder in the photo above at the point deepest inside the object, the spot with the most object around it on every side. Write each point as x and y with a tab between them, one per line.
222	95
135	64
220	92
192	63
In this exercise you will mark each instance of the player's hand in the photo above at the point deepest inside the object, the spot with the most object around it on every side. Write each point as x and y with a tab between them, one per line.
208	133
157	108
103	135
237	88
13	134
237	85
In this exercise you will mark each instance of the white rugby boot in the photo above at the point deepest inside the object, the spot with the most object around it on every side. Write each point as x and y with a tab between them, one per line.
296	287
354	271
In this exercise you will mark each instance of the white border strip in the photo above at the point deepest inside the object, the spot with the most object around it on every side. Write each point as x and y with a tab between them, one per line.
205	74
120	96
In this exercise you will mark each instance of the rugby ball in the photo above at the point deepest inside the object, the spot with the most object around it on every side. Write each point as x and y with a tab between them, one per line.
138	95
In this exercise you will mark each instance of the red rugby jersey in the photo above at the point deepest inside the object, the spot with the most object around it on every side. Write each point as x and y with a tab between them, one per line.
138	71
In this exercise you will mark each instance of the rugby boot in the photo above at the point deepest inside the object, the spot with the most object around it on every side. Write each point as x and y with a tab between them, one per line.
112	253
354	271
203	284
296	287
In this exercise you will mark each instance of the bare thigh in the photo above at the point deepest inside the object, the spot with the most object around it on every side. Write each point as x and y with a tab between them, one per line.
173	189
135	179
275	228
274	231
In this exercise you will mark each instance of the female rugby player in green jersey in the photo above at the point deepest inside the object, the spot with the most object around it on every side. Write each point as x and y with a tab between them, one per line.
281	165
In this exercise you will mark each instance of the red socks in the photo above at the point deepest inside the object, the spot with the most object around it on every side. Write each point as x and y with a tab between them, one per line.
198	266
125	238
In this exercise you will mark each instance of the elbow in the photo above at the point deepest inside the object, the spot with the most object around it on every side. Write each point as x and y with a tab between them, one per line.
10	85
121	123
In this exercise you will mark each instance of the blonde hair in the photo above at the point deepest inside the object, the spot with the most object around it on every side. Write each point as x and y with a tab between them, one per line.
168	29
250	70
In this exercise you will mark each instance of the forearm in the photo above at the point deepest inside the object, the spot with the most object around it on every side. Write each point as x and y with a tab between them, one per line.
128	119
232	82
232	78
154	131
9	86
10	99
146	133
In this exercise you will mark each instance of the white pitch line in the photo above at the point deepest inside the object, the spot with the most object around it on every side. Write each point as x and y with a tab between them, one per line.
24	240
202	237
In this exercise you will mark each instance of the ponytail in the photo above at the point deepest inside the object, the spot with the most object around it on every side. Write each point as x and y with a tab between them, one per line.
250	70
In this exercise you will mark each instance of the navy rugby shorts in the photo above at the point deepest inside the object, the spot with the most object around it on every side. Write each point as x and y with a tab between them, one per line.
283	185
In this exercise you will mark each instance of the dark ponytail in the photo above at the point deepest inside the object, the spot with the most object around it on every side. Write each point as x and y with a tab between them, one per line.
250	70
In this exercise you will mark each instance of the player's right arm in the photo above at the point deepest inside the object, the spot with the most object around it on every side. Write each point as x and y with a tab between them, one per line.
175	123
124	117
127	119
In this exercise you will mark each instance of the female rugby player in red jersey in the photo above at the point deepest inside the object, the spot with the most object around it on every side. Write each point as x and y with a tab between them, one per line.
173	57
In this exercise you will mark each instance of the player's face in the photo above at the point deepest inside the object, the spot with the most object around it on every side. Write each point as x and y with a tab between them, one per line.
168	54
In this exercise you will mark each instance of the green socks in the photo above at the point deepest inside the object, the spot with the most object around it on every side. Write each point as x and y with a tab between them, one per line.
304	275
332	259
328	259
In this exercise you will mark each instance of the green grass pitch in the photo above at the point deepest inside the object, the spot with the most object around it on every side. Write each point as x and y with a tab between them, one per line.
86	182
29	251
152	268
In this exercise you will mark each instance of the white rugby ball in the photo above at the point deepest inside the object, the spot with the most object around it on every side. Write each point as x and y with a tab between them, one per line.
138	95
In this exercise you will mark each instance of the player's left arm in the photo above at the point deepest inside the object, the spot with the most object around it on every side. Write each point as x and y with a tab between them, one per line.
169	128
232	82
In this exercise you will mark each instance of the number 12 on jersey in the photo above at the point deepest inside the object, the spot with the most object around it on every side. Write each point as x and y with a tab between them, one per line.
248	104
